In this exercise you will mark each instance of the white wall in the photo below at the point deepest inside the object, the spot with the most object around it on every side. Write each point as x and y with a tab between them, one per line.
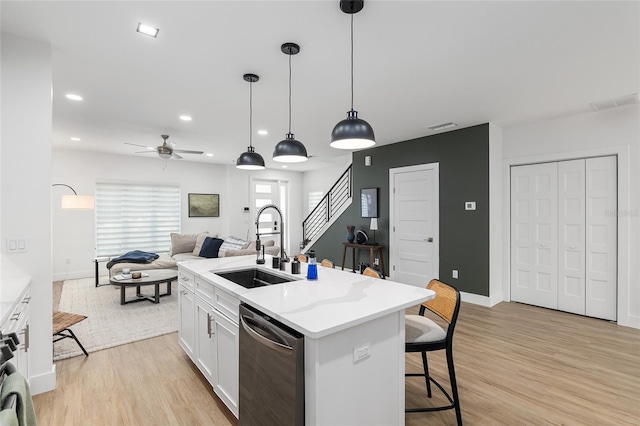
25	184
74	231
242	224
615	131
321	180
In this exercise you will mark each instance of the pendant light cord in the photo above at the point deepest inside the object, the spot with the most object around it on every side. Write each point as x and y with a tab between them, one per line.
352	62
250	113
290	91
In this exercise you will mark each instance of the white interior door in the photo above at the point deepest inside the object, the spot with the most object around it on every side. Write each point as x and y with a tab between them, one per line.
414	224
534	226
601	241
571	230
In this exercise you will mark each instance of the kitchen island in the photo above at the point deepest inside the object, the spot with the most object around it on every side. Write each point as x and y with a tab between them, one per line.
353	329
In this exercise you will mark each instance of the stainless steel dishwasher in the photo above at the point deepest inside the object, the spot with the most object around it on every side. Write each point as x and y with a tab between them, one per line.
271	371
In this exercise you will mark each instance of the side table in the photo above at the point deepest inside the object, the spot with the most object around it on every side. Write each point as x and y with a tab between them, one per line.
373	248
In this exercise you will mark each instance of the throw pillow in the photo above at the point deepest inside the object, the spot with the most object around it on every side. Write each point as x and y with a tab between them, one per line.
199	241
232	243
182	243
267	243
210	247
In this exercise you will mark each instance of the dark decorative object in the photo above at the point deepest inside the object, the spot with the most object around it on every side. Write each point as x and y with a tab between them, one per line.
361	237
350	233
369	202
204	205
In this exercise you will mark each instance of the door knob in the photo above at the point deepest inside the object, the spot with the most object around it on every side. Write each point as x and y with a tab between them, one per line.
429	240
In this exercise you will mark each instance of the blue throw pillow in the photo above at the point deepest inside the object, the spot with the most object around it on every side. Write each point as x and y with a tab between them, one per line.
210	247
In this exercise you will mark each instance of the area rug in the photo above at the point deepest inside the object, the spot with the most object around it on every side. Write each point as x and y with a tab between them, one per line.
109	323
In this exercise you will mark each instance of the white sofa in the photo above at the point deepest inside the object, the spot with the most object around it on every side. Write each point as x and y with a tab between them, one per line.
188	247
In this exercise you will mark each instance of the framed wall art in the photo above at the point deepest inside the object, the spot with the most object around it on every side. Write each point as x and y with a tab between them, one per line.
204	205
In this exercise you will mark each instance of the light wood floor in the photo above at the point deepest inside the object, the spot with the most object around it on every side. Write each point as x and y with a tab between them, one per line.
516	365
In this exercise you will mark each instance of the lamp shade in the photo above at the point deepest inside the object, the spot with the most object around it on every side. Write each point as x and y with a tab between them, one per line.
374	224
77	202
352	133
290	150
250	160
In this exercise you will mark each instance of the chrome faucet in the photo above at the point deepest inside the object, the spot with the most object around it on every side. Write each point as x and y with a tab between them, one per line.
283	254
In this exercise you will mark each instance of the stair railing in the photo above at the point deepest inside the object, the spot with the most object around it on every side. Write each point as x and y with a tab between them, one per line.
330	204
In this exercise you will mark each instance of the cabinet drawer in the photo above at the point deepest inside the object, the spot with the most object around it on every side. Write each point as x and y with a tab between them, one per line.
227	304
204	290
186	279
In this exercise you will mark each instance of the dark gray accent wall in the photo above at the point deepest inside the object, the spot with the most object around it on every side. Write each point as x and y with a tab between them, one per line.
463	157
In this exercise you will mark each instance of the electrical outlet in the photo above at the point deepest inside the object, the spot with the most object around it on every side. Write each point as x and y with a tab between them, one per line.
454	274
376	261
361	352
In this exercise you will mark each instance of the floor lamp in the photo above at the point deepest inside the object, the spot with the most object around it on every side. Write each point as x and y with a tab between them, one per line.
75	201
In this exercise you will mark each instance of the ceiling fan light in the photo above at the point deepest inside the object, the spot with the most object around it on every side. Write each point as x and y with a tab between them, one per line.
290	150
352	133
164	155
250	160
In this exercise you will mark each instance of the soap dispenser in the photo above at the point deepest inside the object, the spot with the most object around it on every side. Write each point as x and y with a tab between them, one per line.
312	268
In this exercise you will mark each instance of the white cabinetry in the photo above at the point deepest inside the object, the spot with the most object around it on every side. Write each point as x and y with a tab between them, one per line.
18	322
208	333
186	303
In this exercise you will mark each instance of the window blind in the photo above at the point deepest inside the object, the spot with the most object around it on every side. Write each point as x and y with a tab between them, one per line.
135	217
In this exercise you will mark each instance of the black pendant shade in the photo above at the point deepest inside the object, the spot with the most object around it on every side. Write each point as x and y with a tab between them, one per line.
250	160
352	133
290	150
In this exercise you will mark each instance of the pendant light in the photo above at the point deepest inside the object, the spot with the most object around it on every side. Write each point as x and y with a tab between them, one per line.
353	132
290	150
250	160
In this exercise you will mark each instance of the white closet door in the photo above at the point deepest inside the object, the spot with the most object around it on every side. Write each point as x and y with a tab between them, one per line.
571	240
601	244
534	222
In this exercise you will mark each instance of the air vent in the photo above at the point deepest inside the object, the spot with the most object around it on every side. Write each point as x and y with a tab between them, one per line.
443	126
615	103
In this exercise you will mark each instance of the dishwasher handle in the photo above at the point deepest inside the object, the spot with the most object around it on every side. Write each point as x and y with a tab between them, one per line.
247	325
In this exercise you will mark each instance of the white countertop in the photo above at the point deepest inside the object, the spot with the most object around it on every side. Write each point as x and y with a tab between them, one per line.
336	301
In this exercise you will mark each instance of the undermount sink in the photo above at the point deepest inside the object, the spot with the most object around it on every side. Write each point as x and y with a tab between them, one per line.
253	277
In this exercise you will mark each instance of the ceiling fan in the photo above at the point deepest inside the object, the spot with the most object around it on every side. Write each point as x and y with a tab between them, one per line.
166	150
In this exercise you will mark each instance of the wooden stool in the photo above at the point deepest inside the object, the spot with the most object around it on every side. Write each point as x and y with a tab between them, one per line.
61	323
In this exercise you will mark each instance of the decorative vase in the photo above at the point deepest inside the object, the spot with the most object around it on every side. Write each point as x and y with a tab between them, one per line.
351	237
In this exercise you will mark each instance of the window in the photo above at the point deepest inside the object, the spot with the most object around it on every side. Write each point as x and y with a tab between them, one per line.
135	217
314	199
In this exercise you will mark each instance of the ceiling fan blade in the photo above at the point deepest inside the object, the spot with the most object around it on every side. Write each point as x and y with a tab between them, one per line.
145	152
174	155
184	151
135	144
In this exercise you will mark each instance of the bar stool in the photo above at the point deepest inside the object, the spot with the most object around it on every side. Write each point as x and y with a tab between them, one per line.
61	323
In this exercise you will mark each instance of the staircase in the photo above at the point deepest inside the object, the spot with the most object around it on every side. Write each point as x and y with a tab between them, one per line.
328	209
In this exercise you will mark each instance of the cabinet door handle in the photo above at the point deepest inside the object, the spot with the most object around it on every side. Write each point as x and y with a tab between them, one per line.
26	299
209	324
16	317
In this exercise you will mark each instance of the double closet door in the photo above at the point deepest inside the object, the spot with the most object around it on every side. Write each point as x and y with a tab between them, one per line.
563	236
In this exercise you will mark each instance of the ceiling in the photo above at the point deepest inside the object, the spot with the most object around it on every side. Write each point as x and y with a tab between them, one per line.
417	64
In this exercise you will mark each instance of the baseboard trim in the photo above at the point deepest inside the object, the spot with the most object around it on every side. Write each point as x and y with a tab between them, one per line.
43	382
477	299
61	276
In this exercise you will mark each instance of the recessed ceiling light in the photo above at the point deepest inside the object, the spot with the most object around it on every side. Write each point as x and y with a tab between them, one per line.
209	154
284	167
185	118
443	126
147	30
73	97
75	139
263	132
150	148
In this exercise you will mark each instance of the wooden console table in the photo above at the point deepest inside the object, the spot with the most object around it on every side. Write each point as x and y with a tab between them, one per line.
372	249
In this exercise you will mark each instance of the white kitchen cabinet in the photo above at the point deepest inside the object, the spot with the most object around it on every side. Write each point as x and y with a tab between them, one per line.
209	336
187	325
205	347
18	322
226	360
